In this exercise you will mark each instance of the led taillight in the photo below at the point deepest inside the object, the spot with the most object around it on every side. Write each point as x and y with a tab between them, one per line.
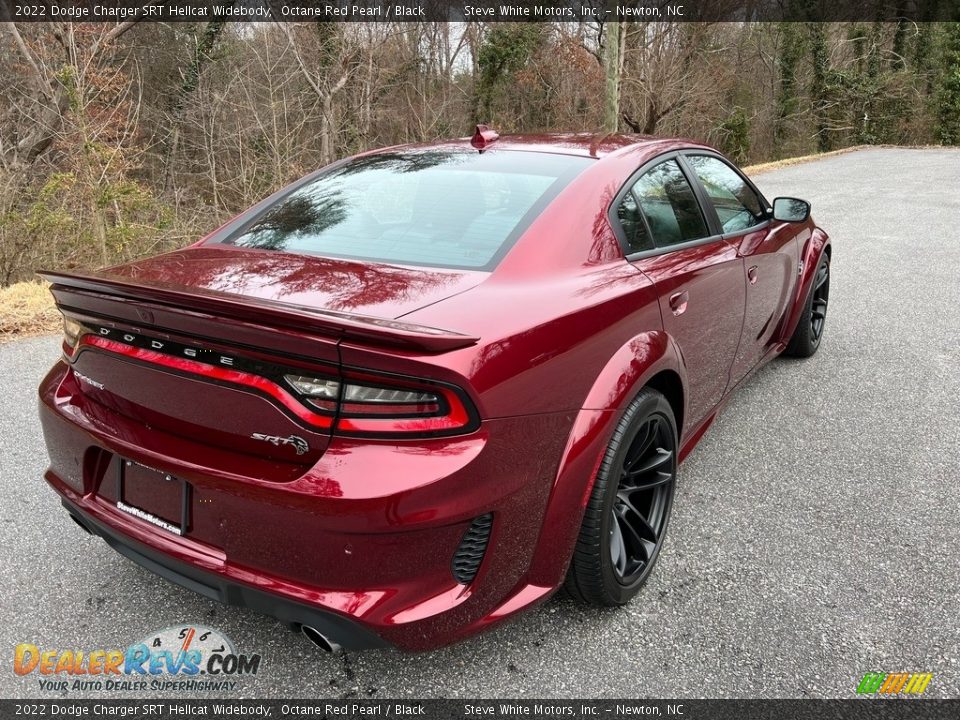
357	403
364	406
72	332
360	400
321	393
354	399
400	409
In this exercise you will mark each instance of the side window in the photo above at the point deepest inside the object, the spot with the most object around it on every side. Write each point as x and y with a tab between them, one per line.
634	227
736	203
669	205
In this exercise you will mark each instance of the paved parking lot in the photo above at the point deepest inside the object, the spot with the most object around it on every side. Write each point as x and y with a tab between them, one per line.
816	532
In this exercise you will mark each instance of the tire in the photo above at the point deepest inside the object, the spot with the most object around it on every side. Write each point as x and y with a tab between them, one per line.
611	561
806	338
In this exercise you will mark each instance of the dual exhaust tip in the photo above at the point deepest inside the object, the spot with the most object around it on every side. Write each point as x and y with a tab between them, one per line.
319	639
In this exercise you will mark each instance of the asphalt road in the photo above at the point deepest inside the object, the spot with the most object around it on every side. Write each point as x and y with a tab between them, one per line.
816	531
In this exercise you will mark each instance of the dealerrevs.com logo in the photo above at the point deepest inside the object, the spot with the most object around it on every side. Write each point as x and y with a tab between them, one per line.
180	658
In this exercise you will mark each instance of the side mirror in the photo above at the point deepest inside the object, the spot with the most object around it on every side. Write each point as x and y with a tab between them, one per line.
791	210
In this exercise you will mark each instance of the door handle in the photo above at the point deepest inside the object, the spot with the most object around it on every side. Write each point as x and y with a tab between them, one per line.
752	274
678	302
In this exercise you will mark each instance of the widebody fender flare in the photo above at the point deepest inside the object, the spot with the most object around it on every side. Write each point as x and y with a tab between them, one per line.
810	254
624	375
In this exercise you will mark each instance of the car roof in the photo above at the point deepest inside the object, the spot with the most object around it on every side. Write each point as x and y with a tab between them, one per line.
589	145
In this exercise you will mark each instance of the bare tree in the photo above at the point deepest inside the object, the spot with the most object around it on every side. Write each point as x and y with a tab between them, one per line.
115	142
336	60
51	98
612	70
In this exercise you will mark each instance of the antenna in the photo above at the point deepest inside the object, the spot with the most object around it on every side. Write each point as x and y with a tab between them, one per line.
483	137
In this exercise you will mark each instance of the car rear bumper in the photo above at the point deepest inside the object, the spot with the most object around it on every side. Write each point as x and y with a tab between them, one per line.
344	632
359	545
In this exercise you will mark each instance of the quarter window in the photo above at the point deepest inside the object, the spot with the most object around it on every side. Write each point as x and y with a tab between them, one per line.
737	205
669	205
634	227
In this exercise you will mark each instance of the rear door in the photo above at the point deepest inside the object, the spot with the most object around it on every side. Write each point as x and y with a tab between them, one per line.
698	274
770	251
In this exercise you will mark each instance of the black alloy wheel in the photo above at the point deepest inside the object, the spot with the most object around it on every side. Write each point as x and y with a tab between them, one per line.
626	518
806	338
821	295
642	504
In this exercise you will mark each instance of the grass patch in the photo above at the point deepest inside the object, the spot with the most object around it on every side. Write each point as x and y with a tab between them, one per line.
788	162
27	308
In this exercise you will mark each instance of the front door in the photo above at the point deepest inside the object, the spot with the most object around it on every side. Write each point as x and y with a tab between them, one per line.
769	249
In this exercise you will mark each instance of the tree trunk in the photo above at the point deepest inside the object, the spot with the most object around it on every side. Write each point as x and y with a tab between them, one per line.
818	84
612	70
787	101
100	232
189	84
326	142
52	99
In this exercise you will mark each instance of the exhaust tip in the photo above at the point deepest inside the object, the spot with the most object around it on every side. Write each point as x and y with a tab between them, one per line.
319	639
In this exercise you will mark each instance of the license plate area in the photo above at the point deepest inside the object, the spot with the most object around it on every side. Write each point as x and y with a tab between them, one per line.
154	496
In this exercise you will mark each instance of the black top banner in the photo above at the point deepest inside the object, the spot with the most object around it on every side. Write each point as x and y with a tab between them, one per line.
479	10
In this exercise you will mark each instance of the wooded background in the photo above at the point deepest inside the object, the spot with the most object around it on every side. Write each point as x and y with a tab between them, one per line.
127	139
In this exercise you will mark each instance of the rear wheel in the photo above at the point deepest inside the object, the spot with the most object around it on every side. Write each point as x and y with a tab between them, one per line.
806	338
629	508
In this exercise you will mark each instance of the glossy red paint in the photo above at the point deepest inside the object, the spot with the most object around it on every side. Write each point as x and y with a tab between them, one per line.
212	372
544	352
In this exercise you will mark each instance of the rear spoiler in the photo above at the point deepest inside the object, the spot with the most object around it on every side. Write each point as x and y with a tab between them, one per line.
348	326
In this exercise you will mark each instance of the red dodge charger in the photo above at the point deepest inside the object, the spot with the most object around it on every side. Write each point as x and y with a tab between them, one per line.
421	389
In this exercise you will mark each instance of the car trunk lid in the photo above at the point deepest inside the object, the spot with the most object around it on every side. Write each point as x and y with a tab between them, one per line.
179	354
337	285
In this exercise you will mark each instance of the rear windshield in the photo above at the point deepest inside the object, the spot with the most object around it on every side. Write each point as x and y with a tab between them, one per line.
442	208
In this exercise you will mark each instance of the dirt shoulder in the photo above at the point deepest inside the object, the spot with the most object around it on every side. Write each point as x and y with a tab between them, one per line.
27	309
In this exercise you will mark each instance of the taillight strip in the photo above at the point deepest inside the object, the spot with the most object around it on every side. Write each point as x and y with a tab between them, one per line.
213	372
454	414
456	418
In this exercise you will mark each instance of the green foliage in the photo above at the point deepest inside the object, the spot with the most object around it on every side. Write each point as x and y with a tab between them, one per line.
867	95
76	221
899	45
948	93
47	215
204	44
819	90
330	39
506	50
734	134
67	77
791	52
868	100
